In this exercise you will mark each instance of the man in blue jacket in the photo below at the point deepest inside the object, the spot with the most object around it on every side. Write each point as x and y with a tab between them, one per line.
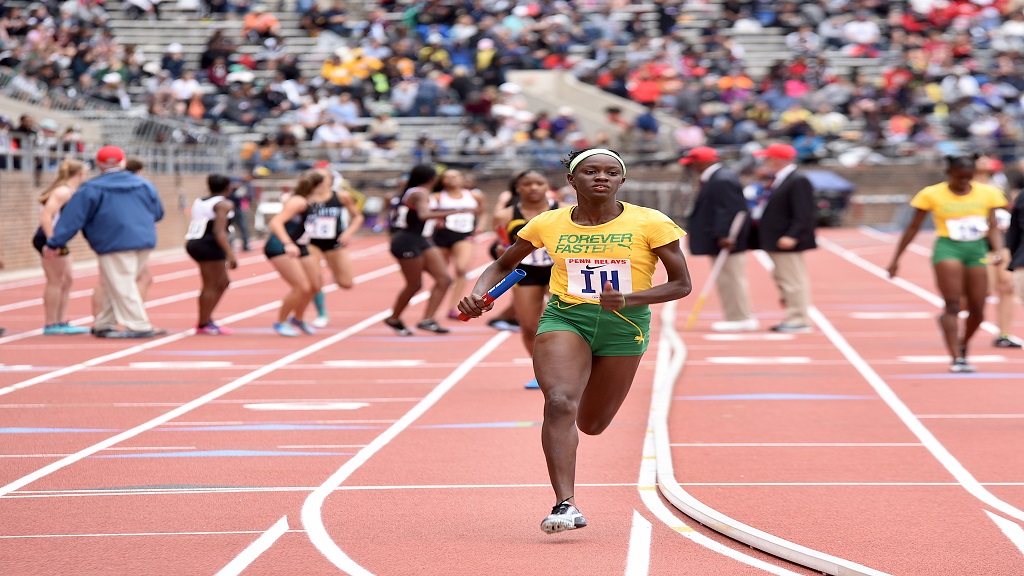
117	213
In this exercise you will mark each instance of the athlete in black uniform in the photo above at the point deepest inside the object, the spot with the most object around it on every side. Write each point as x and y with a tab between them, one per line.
207	242
411	225
287	249
329	235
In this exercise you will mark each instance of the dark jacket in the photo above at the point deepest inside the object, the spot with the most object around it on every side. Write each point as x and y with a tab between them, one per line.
790	212
716	205
1015	234
116	211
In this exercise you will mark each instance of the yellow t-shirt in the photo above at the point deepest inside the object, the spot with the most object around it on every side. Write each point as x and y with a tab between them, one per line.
620	251
957	217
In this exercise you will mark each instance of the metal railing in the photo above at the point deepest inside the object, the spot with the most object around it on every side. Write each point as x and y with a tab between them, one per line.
125	128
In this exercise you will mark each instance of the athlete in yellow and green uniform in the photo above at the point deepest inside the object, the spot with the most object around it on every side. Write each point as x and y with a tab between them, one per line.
595	328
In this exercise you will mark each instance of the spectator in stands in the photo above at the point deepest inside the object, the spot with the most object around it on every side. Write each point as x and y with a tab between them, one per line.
862	35
259	25
172	60
475	140
383	129
335	138
804	41
335	19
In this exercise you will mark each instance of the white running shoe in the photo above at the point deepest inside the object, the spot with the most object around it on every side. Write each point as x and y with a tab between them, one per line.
320	322
960	366
750	325
564	516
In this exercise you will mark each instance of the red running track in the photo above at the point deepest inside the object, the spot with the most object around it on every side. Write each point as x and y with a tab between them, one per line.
361	452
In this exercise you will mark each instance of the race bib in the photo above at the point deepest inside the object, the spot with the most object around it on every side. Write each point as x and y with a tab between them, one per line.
538	257
967	228
323	228
1002	219
462	223
587	276
196	228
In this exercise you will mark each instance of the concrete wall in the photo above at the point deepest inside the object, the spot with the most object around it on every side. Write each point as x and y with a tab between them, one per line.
19	217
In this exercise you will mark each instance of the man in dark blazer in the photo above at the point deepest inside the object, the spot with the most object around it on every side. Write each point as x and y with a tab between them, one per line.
783	221
719	200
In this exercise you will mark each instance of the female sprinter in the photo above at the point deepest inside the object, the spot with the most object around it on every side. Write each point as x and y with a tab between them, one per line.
528	296
329	236
596	325
208	244
412	225
288	250
58	270
1000	278
454	233
965	215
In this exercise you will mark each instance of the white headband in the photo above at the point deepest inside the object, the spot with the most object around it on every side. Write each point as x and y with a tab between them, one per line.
588	153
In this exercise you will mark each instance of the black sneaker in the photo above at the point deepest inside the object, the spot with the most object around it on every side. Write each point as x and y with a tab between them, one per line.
432	326
398	326
960	366
101	332
564	516
1007	341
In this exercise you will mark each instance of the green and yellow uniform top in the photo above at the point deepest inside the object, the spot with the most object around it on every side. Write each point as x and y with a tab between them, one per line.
585	257
962	218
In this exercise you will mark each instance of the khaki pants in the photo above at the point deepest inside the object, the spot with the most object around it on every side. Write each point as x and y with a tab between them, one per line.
790	275
733	289
122	303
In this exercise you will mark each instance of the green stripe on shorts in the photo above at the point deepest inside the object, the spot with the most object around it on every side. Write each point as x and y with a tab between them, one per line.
971	253
622	333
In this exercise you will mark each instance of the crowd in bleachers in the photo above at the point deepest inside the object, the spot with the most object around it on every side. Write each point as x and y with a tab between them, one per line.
952	73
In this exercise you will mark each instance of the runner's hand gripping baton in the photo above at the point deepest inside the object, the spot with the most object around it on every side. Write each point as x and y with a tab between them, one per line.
734	232
498	289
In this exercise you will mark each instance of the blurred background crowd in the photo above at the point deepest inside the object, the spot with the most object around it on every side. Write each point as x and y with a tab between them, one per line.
851	81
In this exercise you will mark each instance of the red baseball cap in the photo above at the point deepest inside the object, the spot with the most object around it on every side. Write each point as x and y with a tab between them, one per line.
778	151
699	154
109	156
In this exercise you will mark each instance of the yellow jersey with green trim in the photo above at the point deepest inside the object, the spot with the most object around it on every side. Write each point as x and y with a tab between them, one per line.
585	257
960	217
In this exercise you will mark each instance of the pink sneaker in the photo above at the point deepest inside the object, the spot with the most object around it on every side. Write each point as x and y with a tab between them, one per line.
224	330
209	329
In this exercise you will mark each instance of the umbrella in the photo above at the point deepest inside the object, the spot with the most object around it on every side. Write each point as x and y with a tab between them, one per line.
827	180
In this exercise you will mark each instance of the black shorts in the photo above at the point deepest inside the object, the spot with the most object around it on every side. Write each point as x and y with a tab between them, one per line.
205	250
274	248
408	245
325	244
39	240
535	275
445	238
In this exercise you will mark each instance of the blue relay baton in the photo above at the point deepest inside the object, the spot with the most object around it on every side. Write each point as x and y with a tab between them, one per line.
498	289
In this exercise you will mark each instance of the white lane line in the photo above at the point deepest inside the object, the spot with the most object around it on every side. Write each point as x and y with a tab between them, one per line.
35	277
867	266
204	399
1012	530
796	444
914	247
948	461
758	360
189	272
312	508
747	337
133	534
409	363
183	365
290	406
944	360
972	416
253	551
657	471
893	315
638	560
675	524
175	337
